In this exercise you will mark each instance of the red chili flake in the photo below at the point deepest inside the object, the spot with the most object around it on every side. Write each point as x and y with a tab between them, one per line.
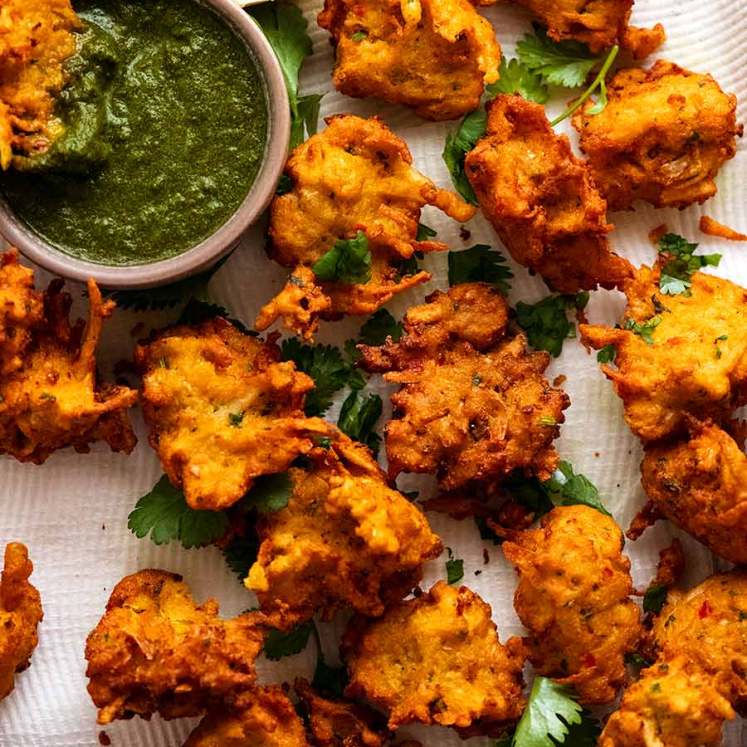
607	572
104	739
589	660
705	610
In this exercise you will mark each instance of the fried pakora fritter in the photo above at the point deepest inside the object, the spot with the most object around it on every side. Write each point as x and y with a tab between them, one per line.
663	137
437	659
700	484
53	399
156	651
471	407
223	410
345	538
674	704
677	356
574	597
340	723
706	625
356	175
433	55
20	615
37	37
268	720
542	200
21	311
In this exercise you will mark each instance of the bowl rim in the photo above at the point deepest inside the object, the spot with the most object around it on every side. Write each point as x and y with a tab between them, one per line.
223	241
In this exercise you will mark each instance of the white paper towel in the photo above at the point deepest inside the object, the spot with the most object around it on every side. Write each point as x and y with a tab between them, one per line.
72	511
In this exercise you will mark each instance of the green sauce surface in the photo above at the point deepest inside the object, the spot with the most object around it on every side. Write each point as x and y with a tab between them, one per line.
165	128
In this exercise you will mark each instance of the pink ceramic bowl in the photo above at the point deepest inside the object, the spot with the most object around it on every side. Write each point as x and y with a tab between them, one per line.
225	239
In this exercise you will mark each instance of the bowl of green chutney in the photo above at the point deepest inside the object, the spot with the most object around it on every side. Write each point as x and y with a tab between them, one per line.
176	126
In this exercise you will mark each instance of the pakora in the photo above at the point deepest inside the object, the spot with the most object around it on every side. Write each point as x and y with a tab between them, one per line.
435	56
355	176
542	200
467	413
156	651
677	356
53	399
437	659
662	137
222	409
674	704
340	723
37	37
700	484
574	597
268	720
345	538
20	614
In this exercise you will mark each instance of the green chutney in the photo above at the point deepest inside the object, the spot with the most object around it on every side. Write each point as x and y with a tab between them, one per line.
165	120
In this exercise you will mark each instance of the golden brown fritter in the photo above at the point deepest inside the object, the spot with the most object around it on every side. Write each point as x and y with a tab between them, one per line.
674	704
356	175
54	400
700	484
223	410
707	625
541	199
663	137
268	720
20	614
574	597
597	23
156	651
467	413
340	723
345	538
433	55
36	39
21	311
696	364
437	659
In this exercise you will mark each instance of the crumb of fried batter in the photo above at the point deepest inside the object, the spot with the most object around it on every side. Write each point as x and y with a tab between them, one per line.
356	175
662	138
344	539
542	200
54	400
37	37
700	484
655	235
222	409
471	406
437	659
435	56
574	598
156	651
696	364
20	614
712	227
268	719
340	723
675	701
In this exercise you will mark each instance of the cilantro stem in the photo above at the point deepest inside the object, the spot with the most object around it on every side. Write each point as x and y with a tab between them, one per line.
598	81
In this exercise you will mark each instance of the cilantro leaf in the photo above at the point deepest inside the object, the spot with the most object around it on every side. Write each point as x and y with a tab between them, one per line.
566	488
348	261
327	679
680	263
546	322
164	514
549	713
458	144
565	63
306	120
278	644
358	417
329	369
486	533
241	553
654	598
480	264
270	493
515	77
454	568
425	233
378	327
643	329
607	354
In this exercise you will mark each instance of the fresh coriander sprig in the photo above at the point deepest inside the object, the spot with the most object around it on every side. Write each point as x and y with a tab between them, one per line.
359	415
480	264
279	644
348	261
454	568
679	263
547	324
